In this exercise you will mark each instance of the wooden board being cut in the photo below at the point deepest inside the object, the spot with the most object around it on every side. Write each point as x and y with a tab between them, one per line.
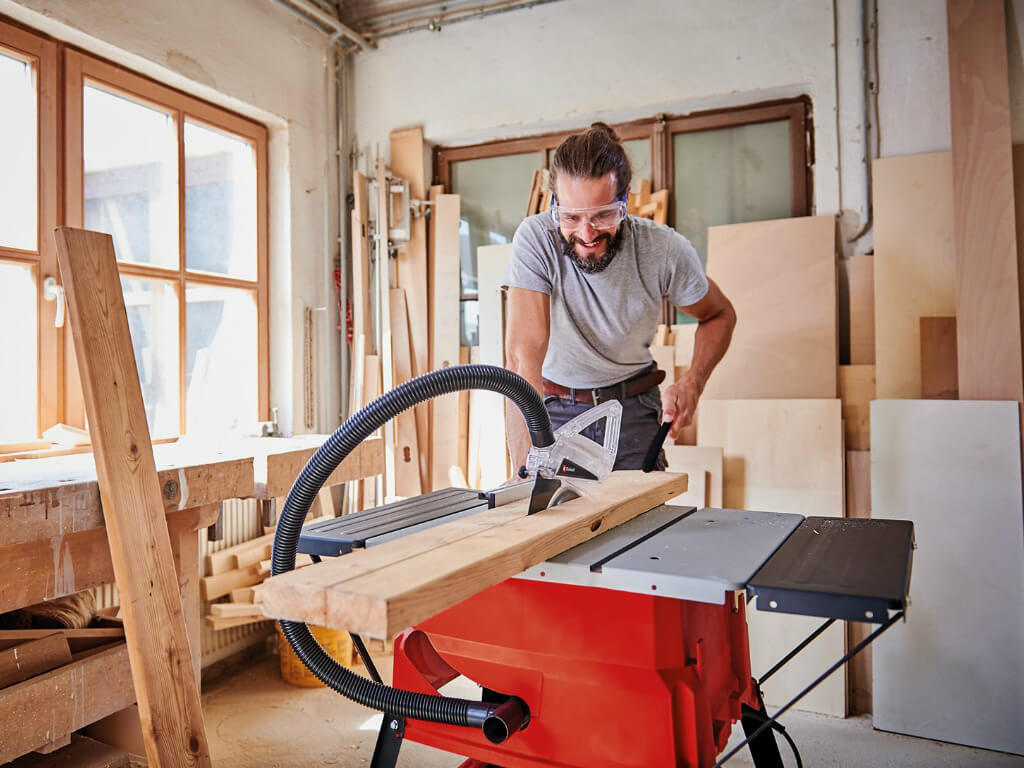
694	459
987	274
857	390
384	589
781	278
140	546
784	456
914	263
445	288
939	380
955	668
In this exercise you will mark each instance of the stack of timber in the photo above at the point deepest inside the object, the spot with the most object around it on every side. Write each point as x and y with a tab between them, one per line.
646	204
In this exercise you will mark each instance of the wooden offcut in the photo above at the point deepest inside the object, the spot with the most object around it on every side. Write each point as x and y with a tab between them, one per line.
140	545
384	589
33	657
987	274
781	278
914	263
784	456
445	289
939	372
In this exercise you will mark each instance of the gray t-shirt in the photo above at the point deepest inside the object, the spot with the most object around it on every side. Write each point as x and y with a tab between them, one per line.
602	324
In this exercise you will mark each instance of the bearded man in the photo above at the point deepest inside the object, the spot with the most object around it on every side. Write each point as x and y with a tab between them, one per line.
586	287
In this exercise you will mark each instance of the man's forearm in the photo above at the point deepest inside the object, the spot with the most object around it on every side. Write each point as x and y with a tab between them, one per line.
710	344
515	426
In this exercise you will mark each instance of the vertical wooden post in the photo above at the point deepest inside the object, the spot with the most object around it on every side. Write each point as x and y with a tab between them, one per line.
140	546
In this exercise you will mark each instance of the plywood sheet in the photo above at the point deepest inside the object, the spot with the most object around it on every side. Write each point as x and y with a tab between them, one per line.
860	281
784	456
384	589
857	390
445	286
939	378
683	338
781	278
489	408
956	667
696	492
915	264
695	459
988	291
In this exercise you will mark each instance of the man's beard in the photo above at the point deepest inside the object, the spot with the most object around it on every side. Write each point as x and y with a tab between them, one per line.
593	266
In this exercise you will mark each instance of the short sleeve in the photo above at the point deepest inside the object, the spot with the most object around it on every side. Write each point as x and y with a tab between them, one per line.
685	282
530	266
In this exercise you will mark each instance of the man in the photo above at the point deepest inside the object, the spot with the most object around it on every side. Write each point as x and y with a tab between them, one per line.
586	286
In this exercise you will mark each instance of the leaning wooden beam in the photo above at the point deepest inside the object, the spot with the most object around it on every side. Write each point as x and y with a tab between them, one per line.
140	546
382	590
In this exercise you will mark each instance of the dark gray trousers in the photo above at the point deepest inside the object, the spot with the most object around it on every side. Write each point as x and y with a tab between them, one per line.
641	417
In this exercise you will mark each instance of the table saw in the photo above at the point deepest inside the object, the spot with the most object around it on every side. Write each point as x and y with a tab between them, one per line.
629	650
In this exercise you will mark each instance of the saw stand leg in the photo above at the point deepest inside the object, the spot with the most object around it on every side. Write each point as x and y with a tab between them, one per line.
763	749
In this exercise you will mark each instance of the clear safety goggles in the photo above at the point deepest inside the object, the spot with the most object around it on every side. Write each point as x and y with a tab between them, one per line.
599	217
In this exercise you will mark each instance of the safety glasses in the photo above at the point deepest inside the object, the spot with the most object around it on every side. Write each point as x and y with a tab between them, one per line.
599	217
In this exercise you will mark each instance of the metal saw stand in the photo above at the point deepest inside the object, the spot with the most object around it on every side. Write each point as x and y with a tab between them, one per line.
834	568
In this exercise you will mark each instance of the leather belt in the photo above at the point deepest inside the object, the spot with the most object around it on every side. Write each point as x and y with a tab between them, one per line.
628	388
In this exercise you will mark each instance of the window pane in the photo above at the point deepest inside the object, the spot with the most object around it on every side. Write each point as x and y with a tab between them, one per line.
494	191
639	151
18	377
152	307
731	175
19	190
221	363
220	203
131	177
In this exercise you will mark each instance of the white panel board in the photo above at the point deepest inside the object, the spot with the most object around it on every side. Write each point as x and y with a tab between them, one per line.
955	670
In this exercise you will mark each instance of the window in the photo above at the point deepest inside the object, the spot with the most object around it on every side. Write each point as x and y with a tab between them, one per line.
181	187
722	167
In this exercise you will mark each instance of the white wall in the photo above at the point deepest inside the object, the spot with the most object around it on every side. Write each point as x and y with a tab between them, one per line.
567	63
256	58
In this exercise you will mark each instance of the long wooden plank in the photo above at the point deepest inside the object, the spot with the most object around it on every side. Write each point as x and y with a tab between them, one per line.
445	288
140	545
781	277
407	446
939	377
488	408
360	256
381	590
408	162
857	390
860	282
914	263
858	505
784	456
33	657
956	665
987	274
45	708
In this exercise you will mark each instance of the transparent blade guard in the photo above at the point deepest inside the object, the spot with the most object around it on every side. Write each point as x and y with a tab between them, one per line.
574	459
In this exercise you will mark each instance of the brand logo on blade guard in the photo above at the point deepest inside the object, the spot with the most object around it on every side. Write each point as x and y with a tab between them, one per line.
571	469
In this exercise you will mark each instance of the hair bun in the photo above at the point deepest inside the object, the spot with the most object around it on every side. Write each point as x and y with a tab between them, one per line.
606	129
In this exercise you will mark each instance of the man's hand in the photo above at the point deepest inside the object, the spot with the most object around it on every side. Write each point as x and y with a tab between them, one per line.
679	404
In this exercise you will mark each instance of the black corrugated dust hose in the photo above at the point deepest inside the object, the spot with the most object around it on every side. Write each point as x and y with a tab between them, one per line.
348	436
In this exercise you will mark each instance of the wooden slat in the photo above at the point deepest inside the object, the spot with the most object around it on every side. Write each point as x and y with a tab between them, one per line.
914	263
212	587
858	505
225	560
781	277
939	378
784	456
489	411
386	588
463	433
987	274
33	657
445	287
360	257
217	623
695	459
860	281
408	162
235	610
407	450
45	708
857	390
140	545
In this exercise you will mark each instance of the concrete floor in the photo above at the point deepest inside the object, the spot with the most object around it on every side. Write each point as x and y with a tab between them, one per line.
253	718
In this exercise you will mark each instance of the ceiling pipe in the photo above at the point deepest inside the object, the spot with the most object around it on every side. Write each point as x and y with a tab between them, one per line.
327	23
